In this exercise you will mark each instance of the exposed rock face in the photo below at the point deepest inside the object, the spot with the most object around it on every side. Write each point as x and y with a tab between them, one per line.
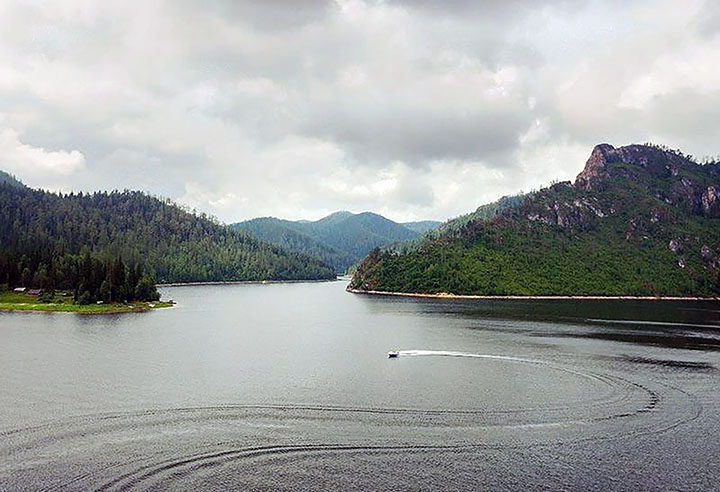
710	200
595	166
710	257
655	161
675	245
647	166
706	253
566	214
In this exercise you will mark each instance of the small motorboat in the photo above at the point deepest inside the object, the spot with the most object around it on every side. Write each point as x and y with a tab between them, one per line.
393	353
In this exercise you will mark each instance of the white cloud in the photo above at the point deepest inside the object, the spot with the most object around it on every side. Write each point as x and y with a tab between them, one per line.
23	159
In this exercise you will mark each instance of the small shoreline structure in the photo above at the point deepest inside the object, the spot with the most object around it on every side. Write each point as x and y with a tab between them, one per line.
447	295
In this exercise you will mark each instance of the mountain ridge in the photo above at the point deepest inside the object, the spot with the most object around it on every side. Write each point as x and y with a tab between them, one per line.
340	239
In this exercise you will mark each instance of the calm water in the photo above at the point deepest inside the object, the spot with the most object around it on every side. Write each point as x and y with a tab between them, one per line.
289	387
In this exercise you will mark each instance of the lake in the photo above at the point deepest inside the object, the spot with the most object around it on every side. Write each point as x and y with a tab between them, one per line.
289	387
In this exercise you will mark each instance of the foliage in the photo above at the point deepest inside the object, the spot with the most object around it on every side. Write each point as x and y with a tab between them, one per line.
645	230
116	245
61	301
340	239
454	226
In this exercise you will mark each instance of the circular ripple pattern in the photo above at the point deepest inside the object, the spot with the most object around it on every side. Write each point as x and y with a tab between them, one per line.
237	445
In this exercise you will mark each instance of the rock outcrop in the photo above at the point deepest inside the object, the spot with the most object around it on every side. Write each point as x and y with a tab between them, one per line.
595	167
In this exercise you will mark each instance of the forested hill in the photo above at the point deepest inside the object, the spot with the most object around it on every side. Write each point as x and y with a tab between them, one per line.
454	226
340	239
638	220
11	180
47	232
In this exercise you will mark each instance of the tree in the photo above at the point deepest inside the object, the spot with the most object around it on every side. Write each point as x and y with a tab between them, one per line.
146	290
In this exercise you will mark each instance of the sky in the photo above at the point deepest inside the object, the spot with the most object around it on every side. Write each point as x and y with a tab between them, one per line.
415	110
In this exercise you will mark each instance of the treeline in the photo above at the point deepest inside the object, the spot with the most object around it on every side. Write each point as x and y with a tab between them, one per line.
171	244
90	277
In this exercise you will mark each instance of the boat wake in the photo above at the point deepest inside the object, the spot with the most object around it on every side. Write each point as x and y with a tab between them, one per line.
239	446
450	353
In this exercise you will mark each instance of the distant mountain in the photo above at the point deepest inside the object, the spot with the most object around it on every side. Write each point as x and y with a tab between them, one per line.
422	226
297	236
639	220
11	180
340	239
48	233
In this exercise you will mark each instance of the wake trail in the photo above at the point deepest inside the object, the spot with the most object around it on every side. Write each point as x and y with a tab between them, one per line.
450	353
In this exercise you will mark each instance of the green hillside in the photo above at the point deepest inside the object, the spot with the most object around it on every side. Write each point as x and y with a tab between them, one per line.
639	220
340	239
296	236
65	240
11	180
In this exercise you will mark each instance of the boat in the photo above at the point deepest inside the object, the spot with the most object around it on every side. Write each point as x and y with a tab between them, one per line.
393	353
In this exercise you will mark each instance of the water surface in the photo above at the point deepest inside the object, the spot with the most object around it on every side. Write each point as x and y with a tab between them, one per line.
289	387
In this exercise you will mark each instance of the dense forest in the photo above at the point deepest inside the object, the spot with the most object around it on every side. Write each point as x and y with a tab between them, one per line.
82	241
89	277
340	239
454	226
639	220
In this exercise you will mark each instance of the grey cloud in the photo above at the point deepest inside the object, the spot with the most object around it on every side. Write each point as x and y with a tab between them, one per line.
488	7
708	20
687	119
284	107
380	132
269	15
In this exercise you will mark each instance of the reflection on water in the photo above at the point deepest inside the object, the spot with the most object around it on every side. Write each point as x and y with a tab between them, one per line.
691	325
289	387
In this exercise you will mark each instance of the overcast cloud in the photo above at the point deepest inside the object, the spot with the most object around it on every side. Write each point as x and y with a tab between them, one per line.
414	109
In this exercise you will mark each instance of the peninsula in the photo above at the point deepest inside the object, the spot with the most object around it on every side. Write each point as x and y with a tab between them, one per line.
640	220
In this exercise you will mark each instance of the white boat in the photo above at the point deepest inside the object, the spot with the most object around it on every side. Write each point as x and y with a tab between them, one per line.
393	353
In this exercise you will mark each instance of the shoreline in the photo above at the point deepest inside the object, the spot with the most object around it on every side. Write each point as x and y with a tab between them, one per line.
244	282
519	297
83	309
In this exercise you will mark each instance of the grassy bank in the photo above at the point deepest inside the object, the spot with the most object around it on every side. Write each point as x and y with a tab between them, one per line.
61	302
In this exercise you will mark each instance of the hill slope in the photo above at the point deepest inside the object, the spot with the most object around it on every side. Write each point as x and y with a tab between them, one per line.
340	239
422	226
48	232
639	220
296	236
11	180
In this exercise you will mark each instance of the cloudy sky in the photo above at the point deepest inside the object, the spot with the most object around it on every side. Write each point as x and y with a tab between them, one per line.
298	108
